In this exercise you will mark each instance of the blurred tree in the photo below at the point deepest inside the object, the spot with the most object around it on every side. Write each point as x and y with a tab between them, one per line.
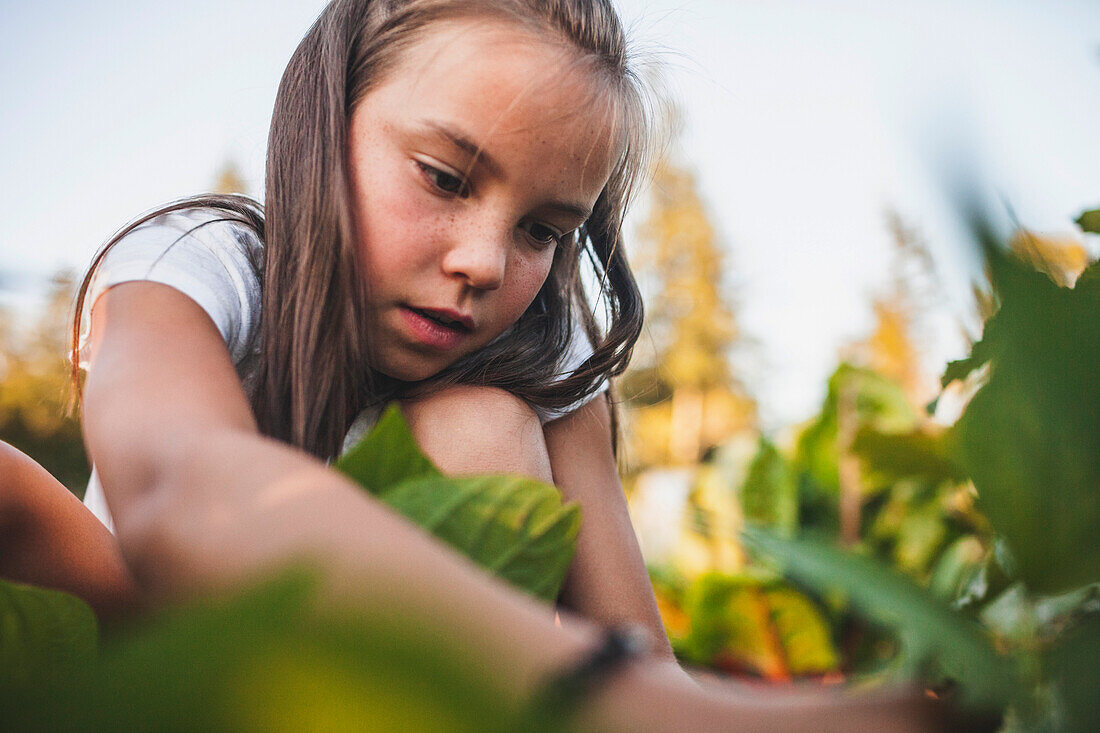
34	379
893	349
1063	259
688	399
230	180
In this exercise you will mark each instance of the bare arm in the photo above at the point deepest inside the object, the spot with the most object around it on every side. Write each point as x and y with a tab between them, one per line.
201	501
48	538
608	581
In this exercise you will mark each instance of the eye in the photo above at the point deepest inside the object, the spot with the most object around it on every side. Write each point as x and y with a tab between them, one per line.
445	183
543	235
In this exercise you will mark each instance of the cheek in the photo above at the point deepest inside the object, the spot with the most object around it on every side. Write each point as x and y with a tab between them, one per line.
528	275
390	220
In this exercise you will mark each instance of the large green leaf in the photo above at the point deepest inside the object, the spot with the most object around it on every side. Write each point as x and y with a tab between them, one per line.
1072	664
386	455
934	639
1030	438
45	635
515	527
270	659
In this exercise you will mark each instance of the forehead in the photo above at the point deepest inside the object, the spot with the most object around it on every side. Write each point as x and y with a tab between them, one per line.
513	92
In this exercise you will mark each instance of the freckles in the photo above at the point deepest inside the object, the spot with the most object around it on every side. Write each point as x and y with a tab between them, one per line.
527	277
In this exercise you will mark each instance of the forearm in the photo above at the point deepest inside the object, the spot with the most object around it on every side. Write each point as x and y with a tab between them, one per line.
607	581
228	526
219	526
48	538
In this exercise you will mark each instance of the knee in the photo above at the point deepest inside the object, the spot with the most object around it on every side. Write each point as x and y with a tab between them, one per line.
467	429
17	476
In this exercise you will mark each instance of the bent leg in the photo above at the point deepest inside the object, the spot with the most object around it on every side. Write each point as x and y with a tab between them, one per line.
468	430
48	538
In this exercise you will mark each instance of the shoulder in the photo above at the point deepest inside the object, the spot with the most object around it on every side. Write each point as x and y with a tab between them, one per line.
205	253
194	236
574	356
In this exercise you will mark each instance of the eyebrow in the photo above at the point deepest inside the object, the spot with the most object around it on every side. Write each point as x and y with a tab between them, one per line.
483	159
465	144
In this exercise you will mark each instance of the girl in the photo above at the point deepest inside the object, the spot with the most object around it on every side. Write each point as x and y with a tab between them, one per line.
437	170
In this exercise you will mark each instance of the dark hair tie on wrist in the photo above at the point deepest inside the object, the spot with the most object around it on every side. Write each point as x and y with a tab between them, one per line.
565	691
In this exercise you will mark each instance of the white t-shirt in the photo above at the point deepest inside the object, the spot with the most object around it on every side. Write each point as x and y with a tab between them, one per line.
214	262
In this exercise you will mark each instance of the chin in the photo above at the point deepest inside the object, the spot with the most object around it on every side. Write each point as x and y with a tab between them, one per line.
410	372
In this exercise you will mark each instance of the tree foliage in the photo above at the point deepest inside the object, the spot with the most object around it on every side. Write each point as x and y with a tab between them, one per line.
34	389
688	399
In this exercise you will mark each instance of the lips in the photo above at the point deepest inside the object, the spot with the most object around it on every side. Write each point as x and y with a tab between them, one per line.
436	328
446	317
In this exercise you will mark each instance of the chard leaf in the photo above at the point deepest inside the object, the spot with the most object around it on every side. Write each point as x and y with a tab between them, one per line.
770	492
934	639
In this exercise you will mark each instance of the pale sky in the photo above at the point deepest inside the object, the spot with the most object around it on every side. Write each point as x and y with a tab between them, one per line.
806	121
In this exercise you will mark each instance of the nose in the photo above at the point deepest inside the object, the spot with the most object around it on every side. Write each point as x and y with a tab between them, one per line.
479	258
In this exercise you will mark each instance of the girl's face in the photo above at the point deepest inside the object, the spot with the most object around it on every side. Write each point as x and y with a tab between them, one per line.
468	163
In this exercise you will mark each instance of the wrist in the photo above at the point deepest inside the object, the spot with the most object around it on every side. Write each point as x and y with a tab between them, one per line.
564	692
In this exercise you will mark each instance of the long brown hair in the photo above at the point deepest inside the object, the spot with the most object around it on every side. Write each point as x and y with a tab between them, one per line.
313	374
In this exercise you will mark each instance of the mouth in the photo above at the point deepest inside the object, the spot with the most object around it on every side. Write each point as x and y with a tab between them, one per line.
437	329
446	318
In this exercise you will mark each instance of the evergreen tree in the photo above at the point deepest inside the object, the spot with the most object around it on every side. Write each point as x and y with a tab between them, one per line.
688	399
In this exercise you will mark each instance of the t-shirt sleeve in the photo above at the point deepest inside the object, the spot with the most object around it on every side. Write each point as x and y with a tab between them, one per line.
579	350
210	260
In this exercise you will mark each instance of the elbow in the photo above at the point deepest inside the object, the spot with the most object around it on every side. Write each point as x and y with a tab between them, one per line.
154	546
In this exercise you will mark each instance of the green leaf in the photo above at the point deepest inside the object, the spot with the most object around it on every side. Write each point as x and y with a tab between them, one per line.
920	536
933	637
803	631
880	405
272	658
1030	437
959	575
45	635
515	527
770	493
918	453
1089	221
730	626
1072	664
387	455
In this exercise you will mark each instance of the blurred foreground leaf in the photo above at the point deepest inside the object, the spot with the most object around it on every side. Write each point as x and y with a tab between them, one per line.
1030	438
935	641
46	635
268	660
1089	221
1072	661
515	527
